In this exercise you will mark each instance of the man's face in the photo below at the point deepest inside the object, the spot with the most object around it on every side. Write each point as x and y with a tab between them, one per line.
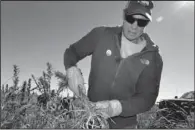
133	26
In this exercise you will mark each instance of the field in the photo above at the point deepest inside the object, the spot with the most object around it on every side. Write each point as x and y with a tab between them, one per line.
21	107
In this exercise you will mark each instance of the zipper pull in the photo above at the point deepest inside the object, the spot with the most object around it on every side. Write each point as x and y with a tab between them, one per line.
118	58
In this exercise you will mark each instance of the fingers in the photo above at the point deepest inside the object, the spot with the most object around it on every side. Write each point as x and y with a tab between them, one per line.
73	86
75	79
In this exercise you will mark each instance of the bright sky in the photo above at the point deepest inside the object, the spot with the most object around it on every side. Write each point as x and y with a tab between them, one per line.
36	32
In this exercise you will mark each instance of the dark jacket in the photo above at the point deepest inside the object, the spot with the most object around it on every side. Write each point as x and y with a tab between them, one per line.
134	81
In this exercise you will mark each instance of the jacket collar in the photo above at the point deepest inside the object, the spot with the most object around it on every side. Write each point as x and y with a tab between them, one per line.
150	46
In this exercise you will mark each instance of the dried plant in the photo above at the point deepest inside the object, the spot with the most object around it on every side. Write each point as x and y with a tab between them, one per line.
15	76
20	108
63	81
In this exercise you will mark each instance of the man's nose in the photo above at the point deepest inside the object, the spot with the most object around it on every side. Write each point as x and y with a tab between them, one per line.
134	25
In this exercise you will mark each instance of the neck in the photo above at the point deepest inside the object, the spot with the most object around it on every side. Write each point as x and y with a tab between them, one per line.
135	41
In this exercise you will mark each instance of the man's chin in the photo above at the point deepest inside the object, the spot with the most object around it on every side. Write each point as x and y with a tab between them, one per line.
132	38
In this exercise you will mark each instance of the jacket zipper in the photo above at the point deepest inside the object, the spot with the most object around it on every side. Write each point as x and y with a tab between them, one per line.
119	66
118	47
117	71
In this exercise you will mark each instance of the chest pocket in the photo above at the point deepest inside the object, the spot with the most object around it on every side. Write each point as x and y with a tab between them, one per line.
127	77
134	67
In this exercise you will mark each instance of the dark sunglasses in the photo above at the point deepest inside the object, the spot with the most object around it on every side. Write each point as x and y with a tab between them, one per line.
140	22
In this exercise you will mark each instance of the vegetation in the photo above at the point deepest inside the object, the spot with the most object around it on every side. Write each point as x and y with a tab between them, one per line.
21	107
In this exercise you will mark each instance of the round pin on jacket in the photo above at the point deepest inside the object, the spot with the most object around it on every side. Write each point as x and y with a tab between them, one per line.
145	61
108	52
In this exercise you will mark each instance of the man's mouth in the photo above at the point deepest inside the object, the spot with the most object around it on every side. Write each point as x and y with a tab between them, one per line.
132	32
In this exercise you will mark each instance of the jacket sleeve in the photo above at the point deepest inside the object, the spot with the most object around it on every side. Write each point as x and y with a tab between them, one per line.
82	48
147	90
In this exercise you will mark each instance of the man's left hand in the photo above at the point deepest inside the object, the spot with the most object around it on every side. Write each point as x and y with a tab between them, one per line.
110	108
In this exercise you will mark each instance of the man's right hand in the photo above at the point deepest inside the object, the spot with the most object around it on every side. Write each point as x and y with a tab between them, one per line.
75	79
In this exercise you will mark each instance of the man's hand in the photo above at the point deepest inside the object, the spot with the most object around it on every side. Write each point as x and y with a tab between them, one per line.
109	108
75	79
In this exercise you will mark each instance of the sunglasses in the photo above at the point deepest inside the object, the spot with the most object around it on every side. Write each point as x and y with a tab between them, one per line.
140	22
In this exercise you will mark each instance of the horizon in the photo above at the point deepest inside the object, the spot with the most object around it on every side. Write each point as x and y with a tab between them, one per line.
36	32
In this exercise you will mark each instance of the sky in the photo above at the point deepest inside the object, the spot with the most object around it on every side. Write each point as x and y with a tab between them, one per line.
36	32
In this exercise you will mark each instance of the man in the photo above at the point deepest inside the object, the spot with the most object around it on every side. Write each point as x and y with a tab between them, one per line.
125	69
